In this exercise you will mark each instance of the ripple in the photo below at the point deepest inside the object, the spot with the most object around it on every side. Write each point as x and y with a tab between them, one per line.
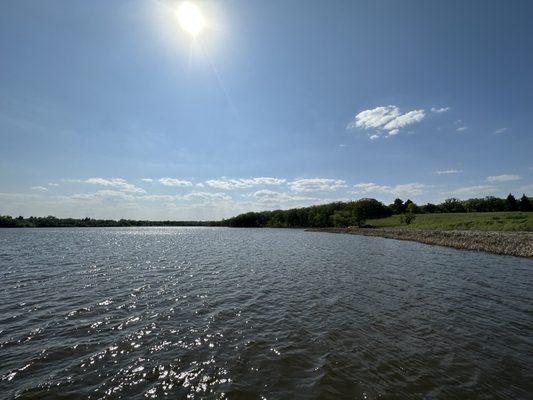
269	314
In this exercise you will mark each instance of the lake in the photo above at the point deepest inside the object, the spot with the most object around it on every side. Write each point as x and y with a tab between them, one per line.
189	313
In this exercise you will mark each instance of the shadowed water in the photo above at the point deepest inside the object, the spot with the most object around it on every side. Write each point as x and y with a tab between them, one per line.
138	313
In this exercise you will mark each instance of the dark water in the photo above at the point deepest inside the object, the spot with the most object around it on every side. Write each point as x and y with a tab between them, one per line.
258	314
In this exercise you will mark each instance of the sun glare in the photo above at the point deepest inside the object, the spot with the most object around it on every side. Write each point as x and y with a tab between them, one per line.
190	18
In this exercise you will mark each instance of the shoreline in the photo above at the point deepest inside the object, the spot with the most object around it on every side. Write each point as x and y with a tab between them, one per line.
518	244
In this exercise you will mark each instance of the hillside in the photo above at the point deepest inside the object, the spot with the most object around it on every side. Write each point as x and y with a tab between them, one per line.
490	221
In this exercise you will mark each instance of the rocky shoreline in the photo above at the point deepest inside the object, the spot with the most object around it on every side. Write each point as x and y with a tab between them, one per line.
519	244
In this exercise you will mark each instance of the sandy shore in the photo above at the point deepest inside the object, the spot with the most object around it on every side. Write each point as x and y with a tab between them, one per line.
518	244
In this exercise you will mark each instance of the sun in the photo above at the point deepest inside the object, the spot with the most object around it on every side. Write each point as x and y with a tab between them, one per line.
190	18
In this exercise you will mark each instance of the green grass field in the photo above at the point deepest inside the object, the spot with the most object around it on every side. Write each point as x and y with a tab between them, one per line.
494	221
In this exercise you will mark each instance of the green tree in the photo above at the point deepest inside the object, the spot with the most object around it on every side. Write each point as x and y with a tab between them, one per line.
452	206
525	203
410	214
430	208
360	217
342	218
510	203
409	203
397	207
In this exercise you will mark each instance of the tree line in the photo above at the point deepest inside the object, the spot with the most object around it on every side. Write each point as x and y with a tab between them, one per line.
486	204
54	222
341	214
321	216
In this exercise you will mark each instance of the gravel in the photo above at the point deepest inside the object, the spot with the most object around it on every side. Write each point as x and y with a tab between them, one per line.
518	244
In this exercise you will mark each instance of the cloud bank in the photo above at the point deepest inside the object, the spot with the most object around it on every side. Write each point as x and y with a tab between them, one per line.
316	184
230	184
175	182
118	183
406	189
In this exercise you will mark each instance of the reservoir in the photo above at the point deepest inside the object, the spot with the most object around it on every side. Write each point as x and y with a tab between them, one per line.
221	313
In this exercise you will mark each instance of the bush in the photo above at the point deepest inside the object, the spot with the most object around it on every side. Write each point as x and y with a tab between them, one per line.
409	215
342	219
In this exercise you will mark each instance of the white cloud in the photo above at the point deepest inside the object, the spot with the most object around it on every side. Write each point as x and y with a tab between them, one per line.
374	118
175	182
229	184
147	180
226	184
448	171
394	132
186	197
206	196
108	204
117	183
86	197
162	197
264	181
53	184
101	195
408	118
406	189
316	184
501	130
39	188
266	196
503	178
462	128
478	190
114	194
415	189
439	110
369	187
385	119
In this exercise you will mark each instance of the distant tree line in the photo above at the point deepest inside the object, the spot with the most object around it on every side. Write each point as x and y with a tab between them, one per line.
486	204
53	222
339	214
332	214
356	213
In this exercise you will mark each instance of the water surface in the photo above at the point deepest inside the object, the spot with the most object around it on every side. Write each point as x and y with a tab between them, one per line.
136	313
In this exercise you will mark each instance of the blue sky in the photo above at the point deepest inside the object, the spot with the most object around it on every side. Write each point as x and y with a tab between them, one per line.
110	109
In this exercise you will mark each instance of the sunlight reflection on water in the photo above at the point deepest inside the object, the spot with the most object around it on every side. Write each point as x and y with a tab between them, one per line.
242	313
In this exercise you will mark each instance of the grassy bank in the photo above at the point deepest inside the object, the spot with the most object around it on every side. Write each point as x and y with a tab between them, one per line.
491	221
509	233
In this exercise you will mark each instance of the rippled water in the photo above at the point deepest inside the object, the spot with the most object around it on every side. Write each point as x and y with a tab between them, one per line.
258	314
